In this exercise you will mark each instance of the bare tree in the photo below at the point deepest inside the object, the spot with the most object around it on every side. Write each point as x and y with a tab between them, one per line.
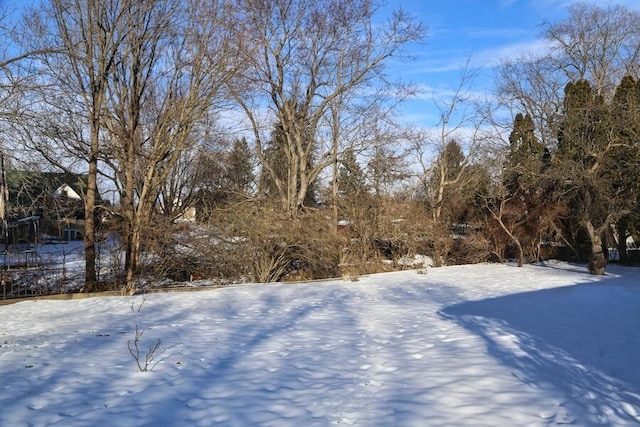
175	61
11	78
598	44
6	91
446	157
72	45
178	189
305	59
532	85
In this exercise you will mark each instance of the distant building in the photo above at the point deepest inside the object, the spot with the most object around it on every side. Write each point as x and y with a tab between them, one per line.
45	204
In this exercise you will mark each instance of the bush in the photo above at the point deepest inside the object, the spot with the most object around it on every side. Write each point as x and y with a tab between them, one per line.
256	243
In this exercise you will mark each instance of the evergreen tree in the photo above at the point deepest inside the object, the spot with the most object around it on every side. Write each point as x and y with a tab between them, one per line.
585	143
352	182
279	176
385	169
526	154
621	167
222	174
448	177
238	171
273	175
584	134
449	198
453	159
528	207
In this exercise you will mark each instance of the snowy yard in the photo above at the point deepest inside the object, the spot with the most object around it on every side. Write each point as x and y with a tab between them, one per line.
481	345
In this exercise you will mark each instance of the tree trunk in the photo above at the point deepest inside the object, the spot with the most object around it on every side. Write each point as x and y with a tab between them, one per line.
91	280
520	251
133	252
597	259
498	217
128	204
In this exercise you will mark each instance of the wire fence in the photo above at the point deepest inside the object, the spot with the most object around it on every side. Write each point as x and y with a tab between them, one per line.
47	270
39	280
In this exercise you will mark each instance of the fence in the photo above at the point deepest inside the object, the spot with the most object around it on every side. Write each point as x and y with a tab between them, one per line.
39	280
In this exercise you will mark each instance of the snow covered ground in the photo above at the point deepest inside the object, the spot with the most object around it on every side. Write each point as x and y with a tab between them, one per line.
480	345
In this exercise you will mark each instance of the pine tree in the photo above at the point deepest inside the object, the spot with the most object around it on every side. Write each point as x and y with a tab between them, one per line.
446	182
273	175
584	145
280	176
238	172
529	208
526	154
622	166
448	196
351	178
584	134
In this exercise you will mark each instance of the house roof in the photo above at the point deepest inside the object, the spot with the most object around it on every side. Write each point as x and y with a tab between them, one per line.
25	187
65	190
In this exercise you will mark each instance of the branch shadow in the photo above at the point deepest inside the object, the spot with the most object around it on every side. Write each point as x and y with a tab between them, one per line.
581	339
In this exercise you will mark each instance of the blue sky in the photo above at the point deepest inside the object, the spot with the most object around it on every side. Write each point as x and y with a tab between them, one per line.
481	31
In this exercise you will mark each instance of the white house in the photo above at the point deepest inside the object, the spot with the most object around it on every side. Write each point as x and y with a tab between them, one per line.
66	192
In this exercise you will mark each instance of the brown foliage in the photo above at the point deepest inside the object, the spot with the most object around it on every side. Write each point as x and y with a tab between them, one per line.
256	243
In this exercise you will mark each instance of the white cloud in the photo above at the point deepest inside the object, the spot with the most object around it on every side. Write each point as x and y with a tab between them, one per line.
494	55
440	94
452	61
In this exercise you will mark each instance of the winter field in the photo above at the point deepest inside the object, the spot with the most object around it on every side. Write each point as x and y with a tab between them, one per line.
481	345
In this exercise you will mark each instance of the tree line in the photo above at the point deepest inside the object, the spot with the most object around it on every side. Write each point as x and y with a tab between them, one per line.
277	121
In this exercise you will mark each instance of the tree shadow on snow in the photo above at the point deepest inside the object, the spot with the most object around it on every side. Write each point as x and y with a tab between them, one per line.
269	357
582	339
